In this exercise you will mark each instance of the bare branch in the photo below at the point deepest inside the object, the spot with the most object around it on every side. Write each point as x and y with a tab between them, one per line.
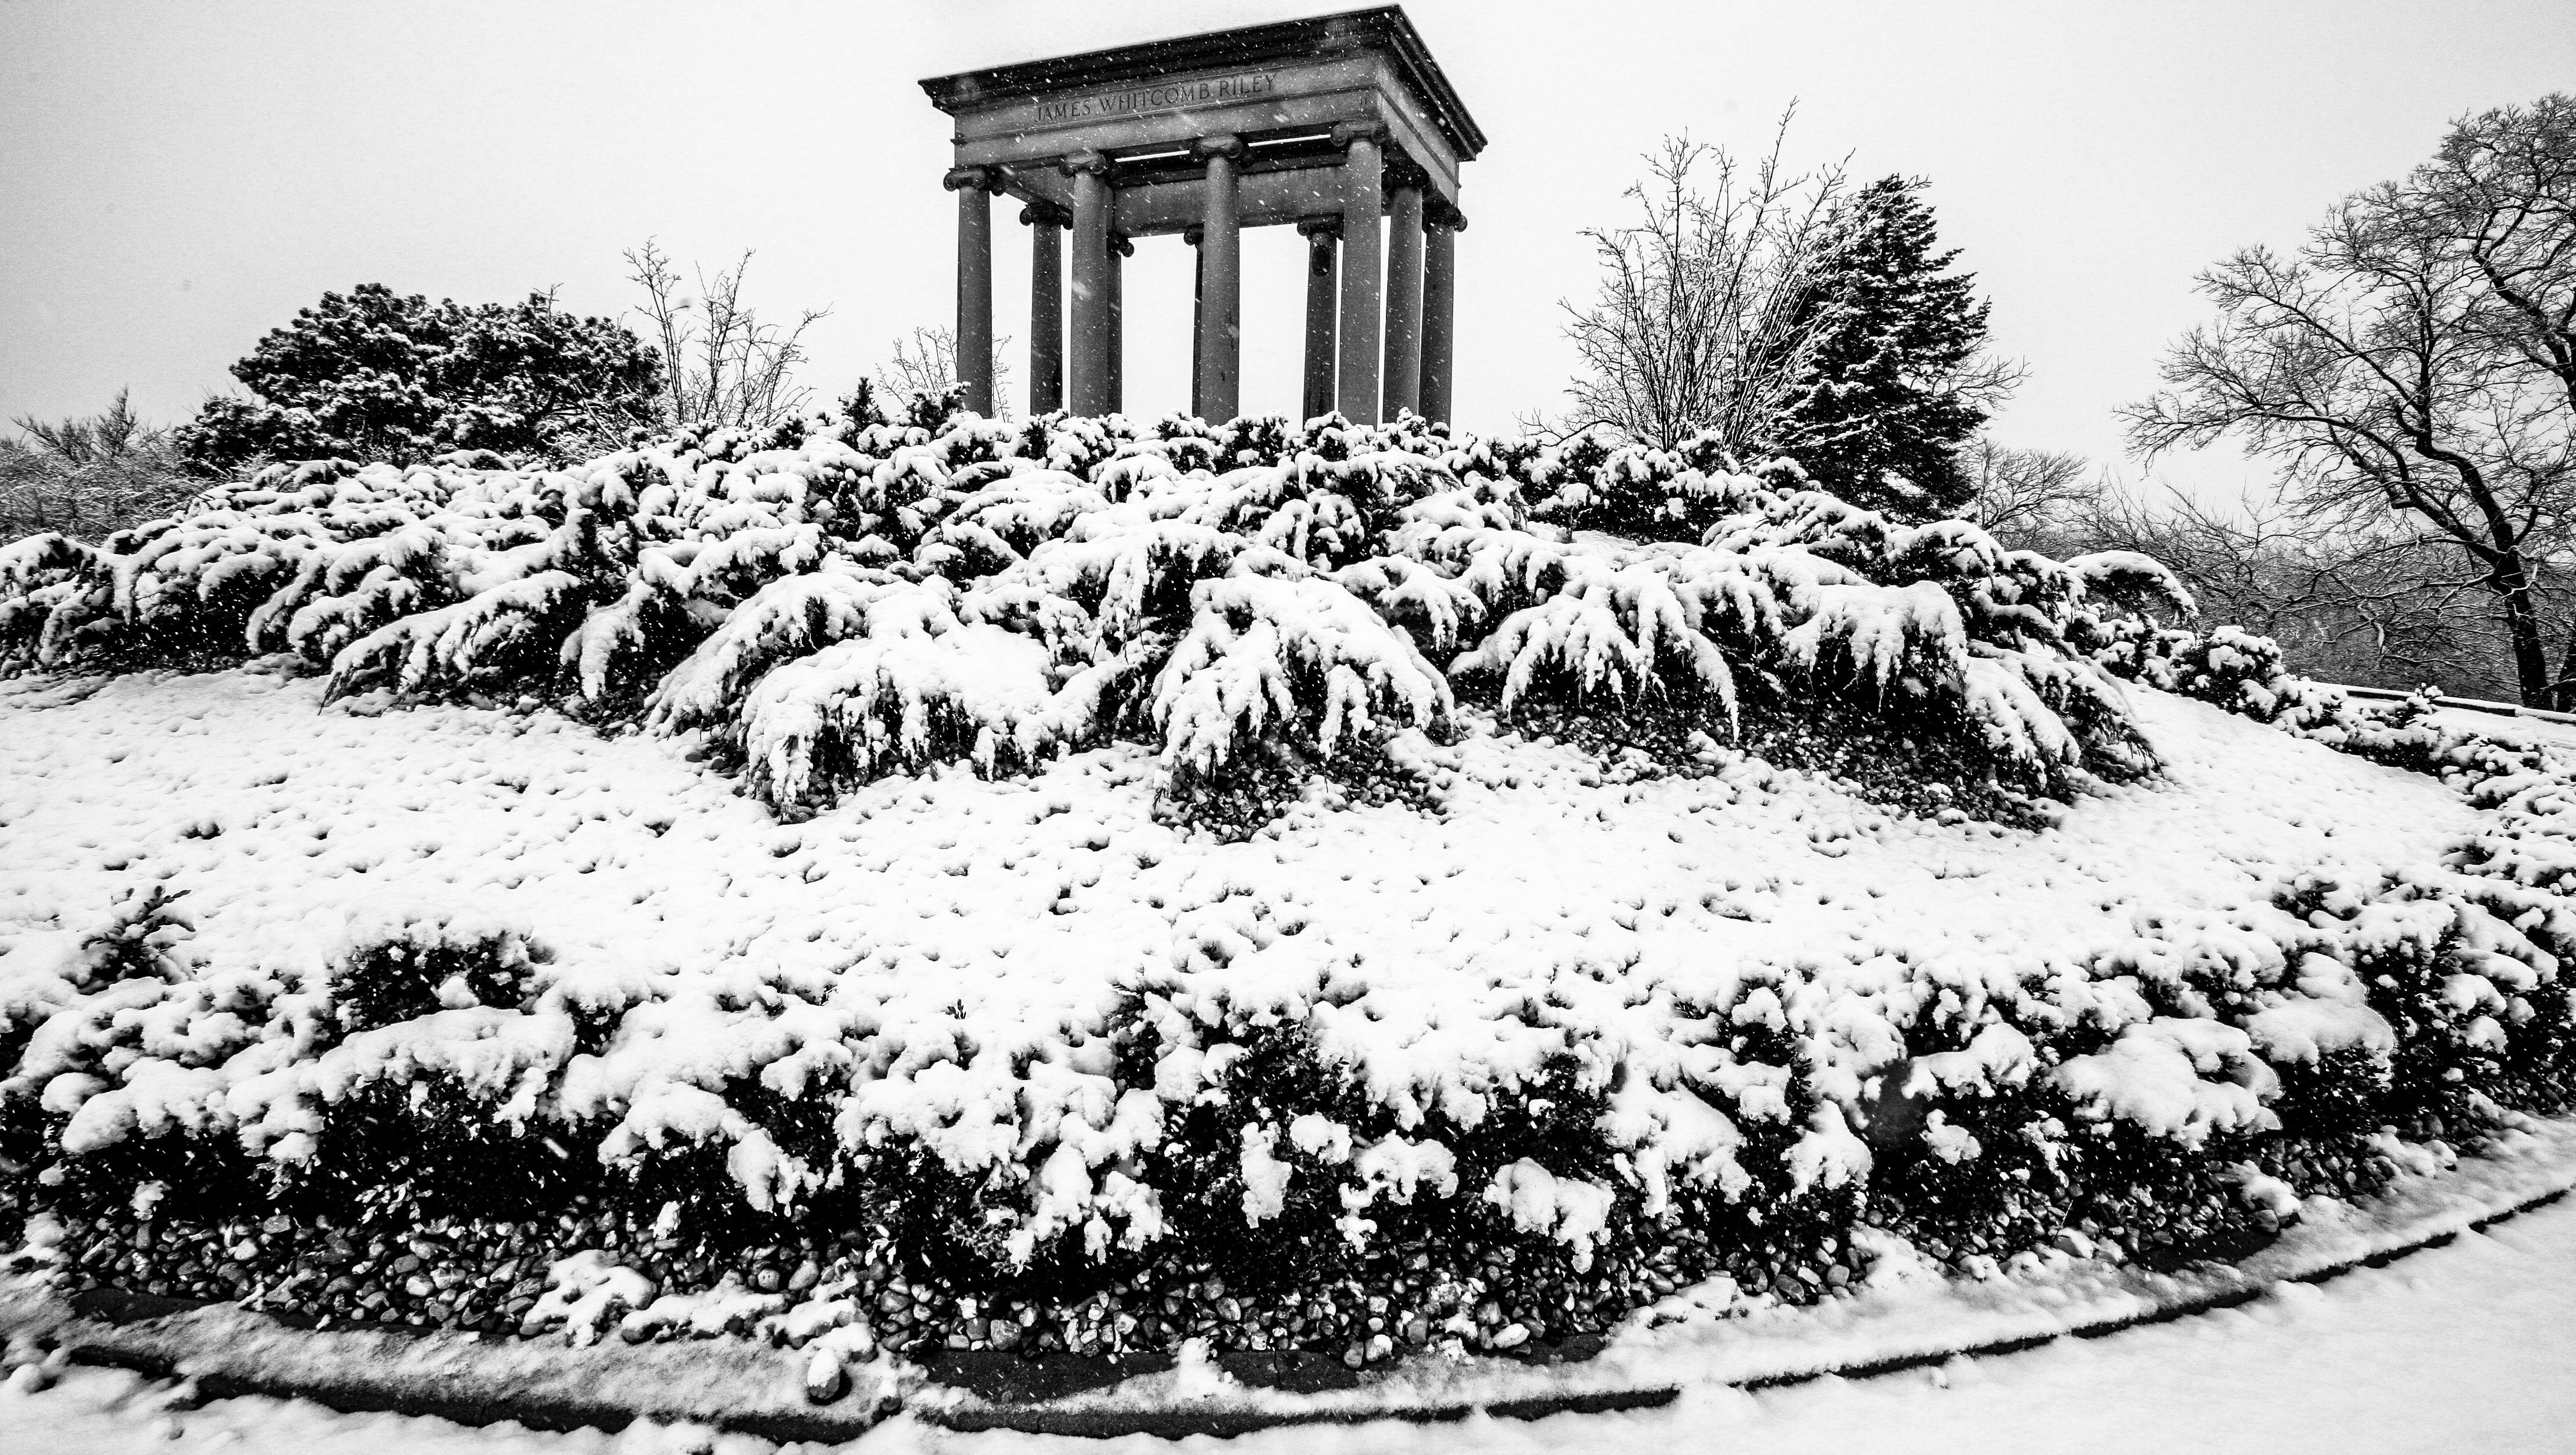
2405	388
1698	324
722	363
925	363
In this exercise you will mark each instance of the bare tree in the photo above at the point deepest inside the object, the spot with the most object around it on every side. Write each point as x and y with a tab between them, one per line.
2383	369
2504	186
2019	492
89	477
1699	323
926	363
722	364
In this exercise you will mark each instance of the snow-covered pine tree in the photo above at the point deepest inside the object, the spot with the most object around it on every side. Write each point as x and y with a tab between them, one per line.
372	375
1884	406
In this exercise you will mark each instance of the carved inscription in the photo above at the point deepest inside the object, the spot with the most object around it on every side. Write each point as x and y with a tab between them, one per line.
1172	96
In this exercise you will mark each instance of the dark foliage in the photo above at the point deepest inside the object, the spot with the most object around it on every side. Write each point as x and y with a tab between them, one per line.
1881	414
373	375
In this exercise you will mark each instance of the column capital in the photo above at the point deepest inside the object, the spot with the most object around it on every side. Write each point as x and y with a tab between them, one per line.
1223	144
985	179
1315	227
1075	163
1194	235
1045	214
1123	245
1441	215
1404	171
1347	132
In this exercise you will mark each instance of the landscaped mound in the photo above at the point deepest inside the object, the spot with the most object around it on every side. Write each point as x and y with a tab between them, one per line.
1139	935
836	602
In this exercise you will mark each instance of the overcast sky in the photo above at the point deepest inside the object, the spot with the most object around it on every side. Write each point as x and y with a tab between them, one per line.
177	178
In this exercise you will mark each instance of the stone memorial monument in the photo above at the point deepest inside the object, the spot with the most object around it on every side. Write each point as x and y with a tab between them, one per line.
1331	123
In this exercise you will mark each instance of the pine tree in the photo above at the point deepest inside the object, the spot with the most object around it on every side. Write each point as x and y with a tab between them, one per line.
372	375
1885	405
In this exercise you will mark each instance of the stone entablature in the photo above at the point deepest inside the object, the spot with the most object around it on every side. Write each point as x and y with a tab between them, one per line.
1305	122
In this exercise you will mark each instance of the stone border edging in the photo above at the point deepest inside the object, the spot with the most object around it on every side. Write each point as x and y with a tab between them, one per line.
2180	1309
734	1385
2427	1211
2470	704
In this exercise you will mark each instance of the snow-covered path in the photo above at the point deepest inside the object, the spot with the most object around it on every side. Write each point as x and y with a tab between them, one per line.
2467	1347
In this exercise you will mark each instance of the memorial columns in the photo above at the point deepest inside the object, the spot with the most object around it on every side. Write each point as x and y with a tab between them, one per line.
1323	295
1218	384
1329	123
1362	327
1439	311
1404	295
974	187
1094	284
1046	306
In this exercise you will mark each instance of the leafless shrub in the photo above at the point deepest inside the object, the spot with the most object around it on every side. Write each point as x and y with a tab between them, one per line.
723	365
926	363
1699	324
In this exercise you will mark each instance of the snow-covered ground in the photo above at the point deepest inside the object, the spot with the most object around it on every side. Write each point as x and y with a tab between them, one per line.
283	821
961	938
2457	1348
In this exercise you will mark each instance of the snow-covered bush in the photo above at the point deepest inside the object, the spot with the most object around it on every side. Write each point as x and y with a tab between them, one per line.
831	601
2165	1100
2458	967
2227	666
374	375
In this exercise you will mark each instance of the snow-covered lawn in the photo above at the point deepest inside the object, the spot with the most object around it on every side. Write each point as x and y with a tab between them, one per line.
284	819
2457	1348
955	927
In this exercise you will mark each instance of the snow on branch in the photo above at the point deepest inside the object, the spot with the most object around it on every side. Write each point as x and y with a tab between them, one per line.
1623	632
1279	658
920	687
1879	637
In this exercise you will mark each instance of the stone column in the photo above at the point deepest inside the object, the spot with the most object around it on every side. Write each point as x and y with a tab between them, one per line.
974	187
1404	292
1094	284
1439	311
1323	295
1046	306
1363	187
1198	318
1120	250
1219	378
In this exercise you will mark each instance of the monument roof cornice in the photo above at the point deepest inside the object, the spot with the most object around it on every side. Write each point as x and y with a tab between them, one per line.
1385	29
